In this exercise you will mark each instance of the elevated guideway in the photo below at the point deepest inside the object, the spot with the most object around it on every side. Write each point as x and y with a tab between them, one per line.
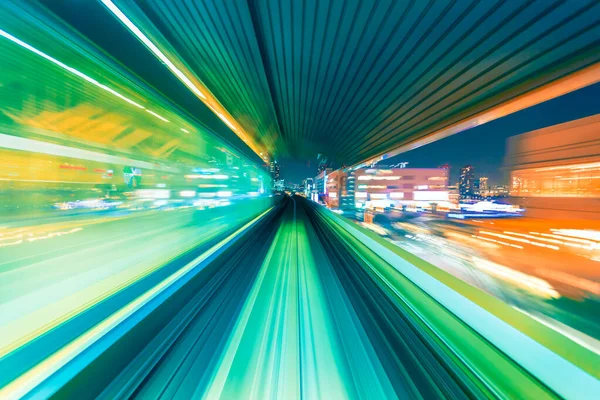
300	303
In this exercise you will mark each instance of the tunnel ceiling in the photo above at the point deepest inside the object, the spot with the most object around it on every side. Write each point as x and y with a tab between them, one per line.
353	79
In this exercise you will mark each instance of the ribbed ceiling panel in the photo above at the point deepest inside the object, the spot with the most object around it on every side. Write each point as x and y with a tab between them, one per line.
217	40
352	79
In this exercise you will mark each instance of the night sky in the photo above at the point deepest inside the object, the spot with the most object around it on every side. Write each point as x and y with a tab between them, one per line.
483	147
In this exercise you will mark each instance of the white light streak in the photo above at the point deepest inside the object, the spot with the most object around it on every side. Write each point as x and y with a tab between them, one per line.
187	193
36	146
155	50
516	239
157	116
578	233
531	283
228	123
66	67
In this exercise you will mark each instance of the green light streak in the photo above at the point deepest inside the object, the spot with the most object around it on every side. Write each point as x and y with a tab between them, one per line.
66	67
499	371
285	331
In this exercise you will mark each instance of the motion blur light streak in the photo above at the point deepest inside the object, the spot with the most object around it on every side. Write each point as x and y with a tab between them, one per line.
66	67
155	243
531	283
35	146
573	233
211	103
25	383
519	240
157	116
119	14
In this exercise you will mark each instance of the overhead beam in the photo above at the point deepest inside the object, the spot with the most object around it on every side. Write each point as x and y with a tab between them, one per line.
577	80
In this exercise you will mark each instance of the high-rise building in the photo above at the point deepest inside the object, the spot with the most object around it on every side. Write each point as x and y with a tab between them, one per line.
274	170
308	187
320	188
483	184
279	185
453	195
335	184
466	182
347	192
476	191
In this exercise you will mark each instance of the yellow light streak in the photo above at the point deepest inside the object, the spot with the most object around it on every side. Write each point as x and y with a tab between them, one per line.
138	33
204	95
